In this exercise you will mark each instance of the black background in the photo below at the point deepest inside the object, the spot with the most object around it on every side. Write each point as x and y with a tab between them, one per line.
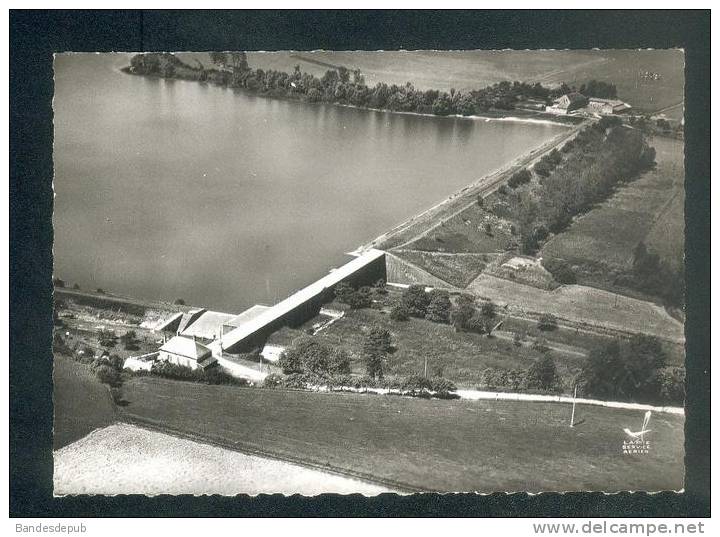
35	35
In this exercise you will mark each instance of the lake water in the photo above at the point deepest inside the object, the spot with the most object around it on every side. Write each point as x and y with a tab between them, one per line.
168	189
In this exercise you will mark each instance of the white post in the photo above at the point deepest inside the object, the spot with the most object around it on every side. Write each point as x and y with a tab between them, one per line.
572	416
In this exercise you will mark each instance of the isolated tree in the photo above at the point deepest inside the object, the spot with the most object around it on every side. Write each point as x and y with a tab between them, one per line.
439	308
542	375
179	302
376	345
462	312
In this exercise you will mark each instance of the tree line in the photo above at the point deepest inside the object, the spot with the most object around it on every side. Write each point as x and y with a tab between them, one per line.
571	181
345	86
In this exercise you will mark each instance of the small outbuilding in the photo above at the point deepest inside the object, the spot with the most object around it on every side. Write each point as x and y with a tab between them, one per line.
187	352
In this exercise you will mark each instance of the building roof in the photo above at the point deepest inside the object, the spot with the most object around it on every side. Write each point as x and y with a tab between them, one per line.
171	324
208	325
186	347
569	99
189	318
247	315
302	296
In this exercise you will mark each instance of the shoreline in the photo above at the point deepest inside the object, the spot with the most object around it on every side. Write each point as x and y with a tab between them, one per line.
544	118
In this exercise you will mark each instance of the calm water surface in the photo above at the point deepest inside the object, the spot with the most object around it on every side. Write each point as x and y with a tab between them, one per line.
168	189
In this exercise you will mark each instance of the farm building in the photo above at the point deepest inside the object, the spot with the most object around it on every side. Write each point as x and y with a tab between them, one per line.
568	103
188	352
606	107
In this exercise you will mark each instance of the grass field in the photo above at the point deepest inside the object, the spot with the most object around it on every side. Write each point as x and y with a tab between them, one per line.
584	305
429	444
461	356
81	403
649	209
149	462
468	70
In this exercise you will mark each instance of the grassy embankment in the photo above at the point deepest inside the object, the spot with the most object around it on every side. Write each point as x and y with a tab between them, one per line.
421	444
81	402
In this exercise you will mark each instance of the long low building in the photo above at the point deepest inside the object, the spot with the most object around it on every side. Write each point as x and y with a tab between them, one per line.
365	269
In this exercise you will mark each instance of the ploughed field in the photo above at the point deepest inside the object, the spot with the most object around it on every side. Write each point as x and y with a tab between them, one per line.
124	459
422	444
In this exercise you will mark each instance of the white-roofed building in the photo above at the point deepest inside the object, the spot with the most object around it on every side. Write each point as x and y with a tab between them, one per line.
187	352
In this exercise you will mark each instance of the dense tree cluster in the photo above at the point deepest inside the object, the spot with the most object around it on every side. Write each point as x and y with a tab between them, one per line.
359	298
541	376
309	355
632	371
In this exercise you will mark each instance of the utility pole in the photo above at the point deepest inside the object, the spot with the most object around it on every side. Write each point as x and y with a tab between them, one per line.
425	374
572	416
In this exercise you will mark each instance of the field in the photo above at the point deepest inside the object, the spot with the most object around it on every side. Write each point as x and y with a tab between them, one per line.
585	306
423	444
459	356
148	462
466	70
81	403
649	209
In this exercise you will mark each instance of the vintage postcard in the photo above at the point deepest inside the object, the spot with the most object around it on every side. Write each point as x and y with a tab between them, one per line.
366	272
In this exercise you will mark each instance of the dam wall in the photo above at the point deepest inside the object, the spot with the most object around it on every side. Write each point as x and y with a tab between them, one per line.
366	269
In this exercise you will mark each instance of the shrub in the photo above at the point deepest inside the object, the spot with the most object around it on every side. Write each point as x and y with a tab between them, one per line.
439	308
503	190
416	300
380	287
517	339
488	309
215	375
671	385
57	282
561	270
108	375
519	178
400	312
547	322
362	298
343	291
179	302
116	362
